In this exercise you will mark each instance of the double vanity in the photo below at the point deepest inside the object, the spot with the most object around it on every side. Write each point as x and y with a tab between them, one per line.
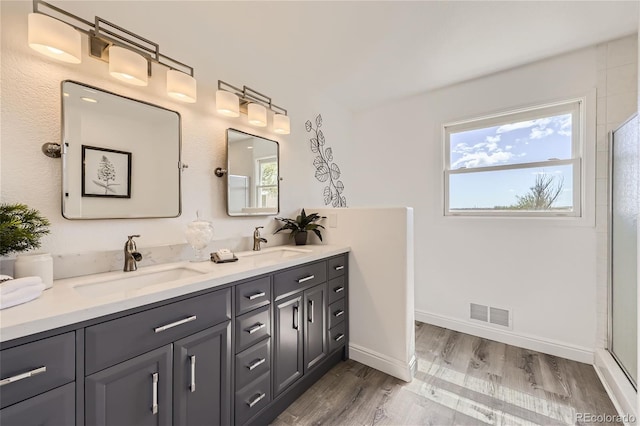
183	343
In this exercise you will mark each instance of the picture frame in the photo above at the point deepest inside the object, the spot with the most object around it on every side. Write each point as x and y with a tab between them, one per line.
105	172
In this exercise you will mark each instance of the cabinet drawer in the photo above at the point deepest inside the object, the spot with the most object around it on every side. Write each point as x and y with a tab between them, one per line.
36	367
337	266
123	338
299	278
253	363
252	399
336	313
337	337
252	327
337	288
53	408
253	294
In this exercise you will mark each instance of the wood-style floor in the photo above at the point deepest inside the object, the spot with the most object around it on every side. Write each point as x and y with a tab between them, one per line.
461	380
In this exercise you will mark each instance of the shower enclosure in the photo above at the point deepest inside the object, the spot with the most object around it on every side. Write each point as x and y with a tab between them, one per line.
624	201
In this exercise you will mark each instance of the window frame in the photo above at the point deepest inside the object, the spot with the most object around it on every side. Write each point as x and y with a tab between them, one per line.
575	106
259	162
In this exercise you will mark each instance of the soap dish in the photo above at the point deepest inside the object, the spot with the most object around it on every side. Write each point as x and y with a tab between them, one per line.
216	259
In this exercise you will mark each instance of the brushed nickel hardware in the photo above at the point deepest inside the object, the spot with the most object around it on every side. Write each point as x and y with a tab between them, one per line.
255	296
131	254
192	359
219	171
339	268
257	239
255	328
339	337
23	376
154	380
256	364
295	317
311	311
256	400
338	313
310	277
52	150
338	289
174	324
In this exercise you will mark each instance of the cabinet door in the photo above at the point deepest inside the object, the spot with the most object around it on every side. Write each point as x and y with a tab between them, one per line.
315	326
53	408
202	374
288	363
134	392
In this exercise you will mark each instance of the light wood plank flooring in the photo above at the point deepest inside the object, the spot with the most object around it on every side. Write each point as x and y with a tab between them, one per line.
461	380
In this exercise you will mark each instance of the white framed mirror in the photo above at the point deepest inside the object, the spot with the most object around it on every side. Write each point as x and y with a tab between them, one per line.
120	156
253	179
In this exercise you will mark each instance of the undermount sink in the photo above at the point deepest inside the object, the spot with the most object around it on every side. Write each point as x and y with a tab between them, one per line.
274	253
130	281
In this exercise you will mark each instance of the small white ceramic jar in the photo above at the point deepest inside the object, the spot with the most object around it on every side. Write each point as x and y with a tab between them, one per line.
35	265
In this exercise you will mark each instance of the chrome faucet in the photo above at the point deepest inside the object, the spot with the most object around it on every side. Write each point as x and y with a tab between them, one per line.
131	254
257	239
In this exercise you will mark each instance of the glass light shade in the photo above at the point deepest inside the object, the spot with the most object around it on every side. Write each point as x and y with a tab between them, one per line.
181	86
54	38
227	103
281	124
257	115
128	66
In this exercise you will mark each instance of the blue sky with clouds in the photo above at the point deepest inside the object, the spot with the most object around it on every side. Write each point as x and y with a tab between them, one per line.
522	142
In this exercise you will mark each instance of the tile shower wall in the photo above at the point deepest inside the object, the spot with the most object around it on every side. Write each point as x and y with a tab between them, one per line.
617	93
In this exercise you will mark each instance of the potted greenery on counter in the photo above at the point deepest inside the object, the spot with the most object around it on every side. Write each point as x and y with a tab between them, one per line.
300	226
21	228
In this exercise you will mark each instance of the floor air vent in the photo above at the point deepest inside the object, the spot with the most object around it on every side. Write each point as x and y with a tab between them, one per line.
479	312
499	316
490	315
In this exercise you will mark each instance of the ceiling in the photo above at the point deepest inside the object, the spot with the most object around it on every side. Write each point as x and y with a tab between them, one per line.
362	53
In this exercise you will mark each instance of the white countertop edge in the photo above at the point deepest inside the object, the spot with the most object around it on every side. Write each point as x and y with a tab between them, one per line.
62	306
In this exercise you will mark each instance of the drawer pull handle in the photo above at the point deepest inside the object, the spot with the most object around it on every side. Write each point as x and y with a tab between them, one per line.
22	376
193	373
295	317
174	324
154	407
310	311
256	364
310	277
338	289
256	400
338	313
255	328
339	337
339	268
255	296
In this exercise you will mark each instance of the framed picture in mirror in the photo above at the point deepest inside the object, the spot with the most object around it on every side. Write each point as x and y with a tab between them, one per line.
105	172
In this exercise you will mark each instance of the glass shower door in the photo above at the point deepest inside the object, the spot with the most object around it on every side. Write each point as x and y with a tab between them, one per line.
625	208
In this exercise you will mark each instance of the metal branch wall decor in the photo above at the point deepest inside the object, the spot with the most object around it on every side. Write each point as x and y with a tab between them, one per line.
326	169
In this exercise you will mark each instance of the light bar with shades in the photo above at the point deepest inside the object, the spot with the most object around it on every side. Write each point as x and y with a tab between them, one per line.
55	33
231	100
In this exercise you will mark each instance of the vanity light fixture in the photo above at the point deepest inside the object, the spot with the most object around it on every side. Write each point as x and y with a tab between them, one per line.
231	100
56	33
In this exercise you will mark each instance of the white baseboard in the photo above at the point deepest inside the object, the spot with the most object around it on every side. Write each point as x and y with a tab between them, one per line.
551	347
617	386
373	359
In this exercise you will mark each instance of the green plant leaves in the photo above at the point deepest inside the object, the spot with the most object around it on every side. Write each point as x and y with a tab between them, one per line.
21	228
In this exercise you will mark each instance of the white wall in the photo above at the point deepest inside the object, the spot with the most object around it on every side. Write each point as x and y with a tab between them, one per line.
543	270
30	115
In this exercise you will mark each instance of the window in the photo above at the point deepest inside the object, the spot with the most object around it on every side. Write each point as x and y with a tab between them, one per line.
267	185
523	163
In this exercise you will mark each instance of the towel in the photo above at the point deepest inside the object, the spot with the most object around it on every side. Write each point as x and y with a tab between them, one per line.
10	286
21	295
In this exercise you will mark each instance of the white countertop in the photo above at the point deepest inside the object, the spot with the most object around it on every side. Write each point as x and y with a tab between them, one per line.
64	305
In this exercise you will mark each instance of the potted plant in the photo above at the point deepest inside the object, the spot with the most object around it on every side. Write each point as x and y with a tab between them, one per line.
300	226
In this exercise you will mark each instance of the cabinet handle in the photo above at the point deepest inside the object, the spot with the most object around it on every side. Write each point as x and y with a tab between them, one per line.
256	400
338	289
22	376
255	296
338	313
339	337
256	364
339	268
255	328
193	373
311	311
154	407
174	324
295	317
310	277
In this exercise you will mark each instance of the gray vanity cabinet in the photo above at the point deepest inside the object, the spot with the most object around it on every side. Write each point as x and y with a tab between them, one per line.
202	374
54	408
288	363
134	392
315	326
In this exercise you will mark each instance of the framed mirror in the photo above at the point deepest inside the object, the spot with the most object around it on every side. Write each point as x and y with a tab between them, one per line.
253	180
120	156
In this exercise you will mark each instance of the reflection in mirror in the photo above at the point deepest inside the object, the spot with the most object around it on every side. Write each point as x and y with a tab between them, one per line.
252	175
121	157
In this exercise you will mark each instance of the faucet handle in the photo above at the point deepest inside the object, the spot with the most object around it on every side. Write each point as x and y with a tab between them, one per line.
134	236
259	227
